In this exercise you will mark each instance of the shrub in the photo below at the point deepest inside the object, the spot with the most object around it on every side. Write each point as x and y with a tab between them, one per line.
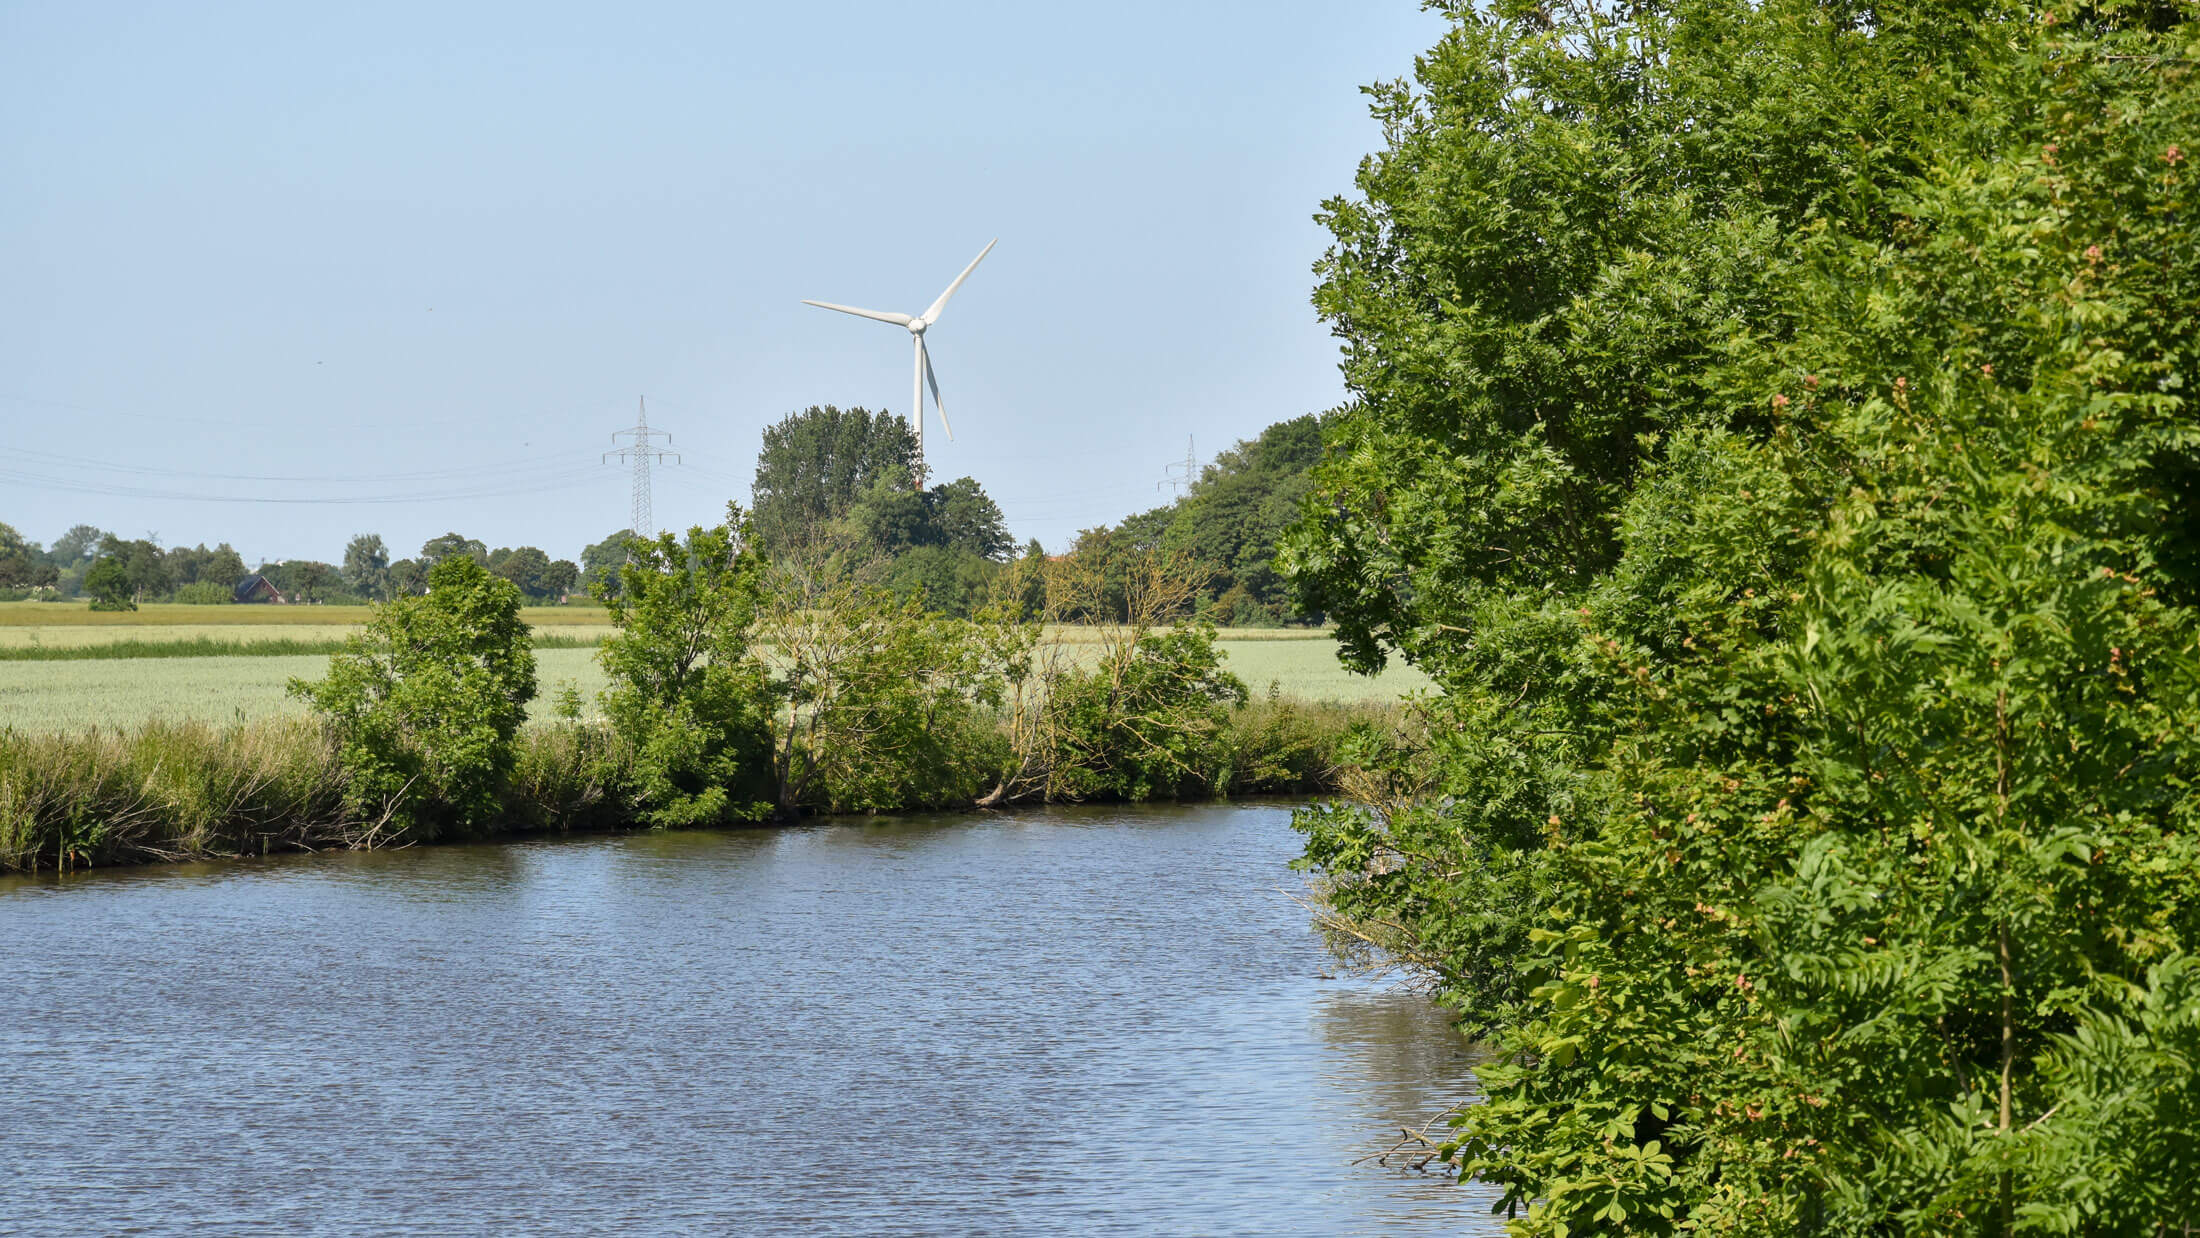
108	581
1147	720
206	593
881	705
688	696
425	704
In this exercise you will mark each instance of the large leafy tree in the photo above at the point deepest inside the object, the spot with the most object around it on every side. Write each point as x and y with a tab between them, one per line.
814	465
600	563
222	566
22	563
303	580
437	549
526	566
1770	431
77	546
367	566
845	485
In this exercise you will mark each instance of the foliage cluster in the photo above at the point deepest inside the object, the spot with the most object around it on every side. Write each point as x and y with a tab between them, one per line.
426	704
845	484
739	689
687	692
1228	523
1771	432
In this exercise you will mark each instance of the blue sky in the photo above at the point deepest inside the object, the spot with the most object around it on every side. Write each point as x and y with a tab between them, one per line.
432	253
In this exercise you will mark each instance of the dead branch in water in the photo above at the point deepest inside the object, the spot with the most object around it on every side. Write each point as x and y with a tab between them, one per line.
1415	1148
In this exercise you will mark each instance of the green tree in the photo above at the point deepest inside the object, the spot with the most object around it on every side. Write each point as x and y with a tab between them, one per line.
367	566
407	578
559	578
437	549
601	562
1229	522
147	567
967	521
525	567
687	691
302	580
77	546
108	581
882	705
815	464
427	703
1769	431
223	566
195	564
23	564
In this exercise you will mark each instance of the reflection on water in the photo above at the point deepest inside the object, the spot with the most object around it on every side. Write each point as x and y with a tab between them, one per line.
1083	1020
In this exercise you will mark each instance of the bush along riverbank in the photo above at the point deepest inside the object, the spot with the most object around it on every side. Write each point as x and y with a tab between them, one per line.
743	692
1808	565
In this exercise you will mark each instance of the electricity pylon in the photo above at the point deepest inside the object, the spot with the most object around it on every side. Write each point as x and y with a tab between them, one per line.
639	453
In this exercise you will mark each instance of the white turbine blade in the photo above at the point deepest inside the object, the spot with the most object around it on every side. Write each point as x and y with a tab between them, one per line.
925	358
899	320
933	315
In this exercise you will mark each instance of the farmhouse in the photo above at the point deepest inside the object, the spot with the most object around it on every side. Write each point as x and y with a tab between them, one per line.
257	588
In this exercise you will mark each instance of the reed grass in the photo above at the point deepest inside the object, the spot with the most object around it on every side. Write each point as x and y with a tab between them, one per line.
168	791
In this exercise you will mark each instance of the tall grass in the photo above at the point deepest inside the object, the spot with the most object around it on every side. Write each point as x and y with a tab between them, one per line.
167	791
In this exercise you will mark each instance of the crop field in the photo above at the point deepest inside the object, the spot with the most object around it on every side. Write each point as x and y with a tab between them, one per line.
55	621
80	693
123	692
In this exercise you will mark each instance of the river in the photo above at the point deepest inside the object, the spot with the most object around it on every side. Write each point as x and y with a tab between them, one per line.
1085	1020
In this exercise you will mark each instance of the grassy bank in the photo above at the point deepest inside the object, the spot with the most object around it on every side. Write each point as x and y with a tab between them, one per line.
181	790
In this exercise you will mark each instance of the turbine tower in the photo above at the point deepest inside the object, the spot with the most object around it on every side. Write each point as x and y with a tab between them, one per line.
916	325
640	453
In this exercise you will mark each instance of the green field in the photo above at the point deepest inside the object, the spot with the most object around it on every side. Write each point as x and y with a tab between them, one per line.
79	693
22	622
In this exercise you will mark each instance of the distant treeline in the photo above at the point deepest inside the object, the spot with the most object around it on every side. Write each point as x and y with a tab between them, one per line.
846	483
743	689
117	574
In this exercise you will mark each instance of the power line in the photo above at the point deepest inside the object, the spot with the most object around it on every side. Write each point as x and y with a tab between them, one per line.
514	489
89	465
639	453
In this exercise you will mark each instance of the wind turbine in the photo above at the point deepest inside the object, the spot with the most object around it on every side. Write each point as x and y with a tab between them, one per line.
917	326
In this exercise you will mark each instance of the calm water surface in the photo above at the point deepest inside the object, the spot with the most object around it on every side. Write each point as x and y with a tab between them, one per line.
1086	1021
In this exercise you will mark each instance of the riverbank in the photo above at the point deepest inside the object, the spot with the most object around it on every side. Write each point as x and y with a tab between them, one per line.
175	791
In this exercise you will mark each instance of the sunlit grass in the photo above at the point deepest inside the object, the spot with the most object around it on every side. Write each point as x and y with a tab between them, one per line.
79	614
119	643
48	696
